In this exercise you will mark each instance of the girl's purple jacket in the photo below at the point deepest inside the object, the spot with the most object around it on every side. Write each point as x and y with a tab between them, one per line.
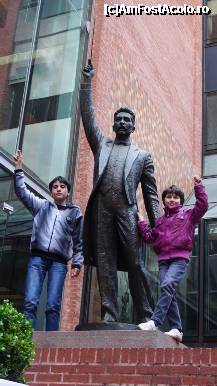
173	233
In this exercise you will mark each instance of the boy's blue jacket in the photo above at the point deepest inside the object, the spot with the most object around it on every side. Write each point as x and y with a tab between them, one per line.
54	231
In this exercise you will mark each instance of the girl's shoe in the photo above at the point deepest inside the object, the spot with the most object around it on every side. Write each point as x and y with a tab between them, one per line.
148	326
175	334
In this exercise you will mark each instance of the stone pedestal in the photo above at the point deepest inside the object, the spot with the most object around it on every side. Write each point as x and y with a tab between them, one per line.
105	339
114	357
100	326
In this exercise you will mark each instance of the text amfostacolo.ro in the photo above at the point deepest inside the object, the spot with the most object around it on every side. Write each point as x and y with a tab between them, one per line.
159	9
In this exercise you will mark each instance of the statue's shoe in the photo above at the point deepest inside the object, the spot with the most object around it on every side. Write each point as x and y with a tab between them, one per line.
108	318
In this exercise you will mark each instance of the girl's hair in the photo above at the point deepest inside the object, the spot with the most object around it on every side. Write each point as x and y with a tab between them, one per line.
175	190
61	180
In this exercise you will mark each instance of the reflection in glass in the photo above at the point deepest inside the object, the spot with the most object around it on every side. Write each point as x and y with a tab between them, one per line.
212	22
187	292
211	280
5	185
46	144
151	264
40	77
53	91
16	33
210	165
57	7
15	230
210	68
187	295
211	123
125	304
55	65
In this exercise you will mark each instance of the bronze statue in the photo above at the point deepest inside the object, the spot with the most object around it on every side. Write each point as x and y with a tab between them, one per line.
111	240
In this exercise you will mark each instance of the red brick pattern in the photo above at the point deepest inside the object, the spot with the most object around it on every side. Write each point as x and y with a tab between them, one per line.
122	366
153	64
71	302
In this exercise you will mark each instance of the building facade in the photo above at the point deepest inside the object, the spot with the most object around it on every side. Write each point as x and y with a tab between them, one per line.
151	63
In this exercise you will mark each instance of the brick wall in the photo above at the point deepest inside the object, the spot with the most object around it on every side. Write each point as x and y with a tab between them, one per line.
122	366
153	65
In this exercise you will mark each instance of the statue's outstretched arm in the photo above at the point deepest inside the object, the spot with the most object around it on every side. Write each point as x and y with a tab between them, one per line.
93	133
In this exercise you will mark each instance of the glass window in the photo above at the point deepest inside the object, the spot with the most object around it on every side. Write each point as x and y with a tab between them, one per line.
25	22
15	231
51	7
211	188
4	173
211	68
125	304
14	60
47	144
19	67
53	93
210	165
212	22
40	82
55	65
211	122
188	293
151	263
5	185
210	280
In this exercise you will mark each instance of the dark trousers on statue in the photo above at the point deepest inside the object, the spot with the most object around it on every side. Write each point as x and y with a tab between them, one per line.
117	234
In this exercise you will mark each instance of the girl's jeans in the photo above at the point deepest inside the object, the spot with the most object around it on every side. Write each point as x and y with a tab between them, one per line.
37	269
170	273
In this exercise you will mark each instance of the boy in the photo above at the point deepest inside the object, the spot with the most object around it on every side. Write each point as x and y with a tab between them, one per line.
55	243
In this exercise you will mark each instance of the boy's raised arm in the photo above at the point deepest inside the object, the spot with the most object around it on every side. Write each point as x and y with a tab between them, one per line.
28	198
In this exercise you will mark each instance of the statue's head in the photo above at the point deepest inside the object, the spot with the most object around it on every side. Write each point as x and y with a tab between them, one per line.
124	122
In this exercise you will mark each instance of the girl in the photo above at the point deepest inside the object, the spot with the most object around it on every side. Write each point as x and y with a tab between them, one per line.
172	239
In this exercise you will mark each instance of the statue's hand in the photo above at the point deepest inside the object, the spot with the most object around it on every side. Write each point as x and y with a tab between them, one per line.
88	70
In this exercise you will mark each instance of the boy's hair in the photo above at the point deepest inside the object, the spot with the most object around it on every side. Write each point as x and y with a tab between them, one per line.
174	189
60	179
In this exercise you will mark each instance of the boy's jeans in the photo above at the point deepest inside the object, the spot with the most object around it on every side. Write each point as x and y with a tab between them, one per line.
37	268
170	273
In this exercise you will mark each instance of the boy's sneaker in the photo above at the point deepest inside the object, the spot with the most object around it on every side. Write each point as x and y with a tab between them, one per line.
148	326
175	334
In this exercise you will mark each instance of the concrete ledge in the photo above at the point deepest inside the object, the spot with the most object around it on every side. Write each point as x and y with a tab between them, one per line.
107	339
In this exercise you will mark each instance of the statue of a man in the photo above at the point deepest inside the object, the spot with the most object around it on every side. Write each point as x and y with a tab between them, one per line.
111	240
